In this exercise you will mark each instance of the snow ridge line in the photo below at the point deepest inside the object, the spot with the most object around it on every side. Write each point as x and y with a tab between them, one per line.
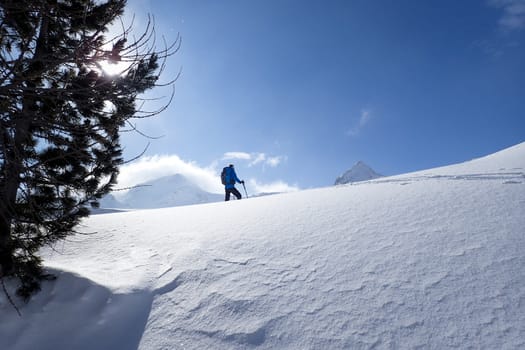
508	177
169	287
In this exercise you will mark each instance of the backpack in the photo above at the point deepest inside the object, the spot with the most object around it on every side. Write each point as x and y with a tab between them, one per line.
226	177
223	176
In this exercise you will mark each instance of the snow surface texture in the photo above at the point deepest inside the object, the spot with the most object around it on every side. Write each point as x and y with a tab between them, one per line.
432	259
359	172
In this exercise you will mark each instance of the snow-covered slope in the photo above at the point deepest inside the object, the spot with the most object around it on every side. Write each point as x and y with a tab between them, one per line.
359	172
168	191
432	260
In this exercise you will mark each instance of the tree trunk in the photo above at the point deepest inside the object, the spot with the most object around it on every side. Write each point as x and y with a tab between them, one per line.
13	167
14	151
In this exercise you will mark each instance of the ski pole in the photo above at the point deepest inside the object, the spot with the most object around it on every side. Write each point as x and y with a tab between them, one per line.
245	189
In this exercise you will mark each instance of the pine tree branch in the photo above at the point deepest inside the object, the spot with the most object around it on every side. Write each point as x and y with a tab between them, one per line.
8	296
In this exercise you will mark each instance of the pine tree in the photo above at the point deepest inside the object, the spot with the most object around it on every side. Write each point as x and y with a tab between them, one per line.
60	118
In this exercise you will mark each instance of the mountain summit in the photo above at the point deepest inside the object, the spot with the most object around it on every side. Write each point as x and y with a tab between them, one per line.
359	172
169	191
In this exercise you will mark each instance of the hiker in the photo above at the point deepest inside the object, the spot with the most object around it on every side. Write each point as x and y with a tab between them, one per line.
229	178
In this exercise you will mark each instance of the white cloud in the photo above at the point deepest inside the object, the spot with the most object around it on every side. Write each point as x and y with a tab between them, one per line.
153	167
273	187
237	155
513	13
364	118
274	161
150	168
255	158
258	158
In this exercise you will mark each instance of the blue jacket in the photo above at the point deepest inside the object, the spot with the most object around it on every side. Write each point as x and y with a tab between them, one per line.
231	178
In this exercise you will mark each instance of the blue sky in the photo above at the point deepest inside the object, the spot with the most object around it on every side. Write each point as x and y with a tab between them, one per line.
295	92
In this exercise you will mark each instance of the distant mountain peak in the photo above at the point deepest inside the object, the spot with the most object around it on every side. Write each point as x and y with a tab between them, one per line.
359	172
168	191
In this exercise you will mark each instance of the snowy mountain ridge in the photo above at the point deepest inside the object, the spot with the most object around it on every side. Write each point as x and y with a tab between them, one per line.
178	190
431	259
168	191
359	172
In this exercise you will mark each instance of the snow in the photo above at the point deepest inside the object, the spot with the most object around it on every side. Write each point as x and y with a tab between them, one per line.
359	172
164	192
433	259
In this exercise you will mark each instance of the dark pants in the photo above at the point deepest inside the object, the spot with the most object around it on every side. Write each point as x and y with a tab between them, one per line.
235	192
